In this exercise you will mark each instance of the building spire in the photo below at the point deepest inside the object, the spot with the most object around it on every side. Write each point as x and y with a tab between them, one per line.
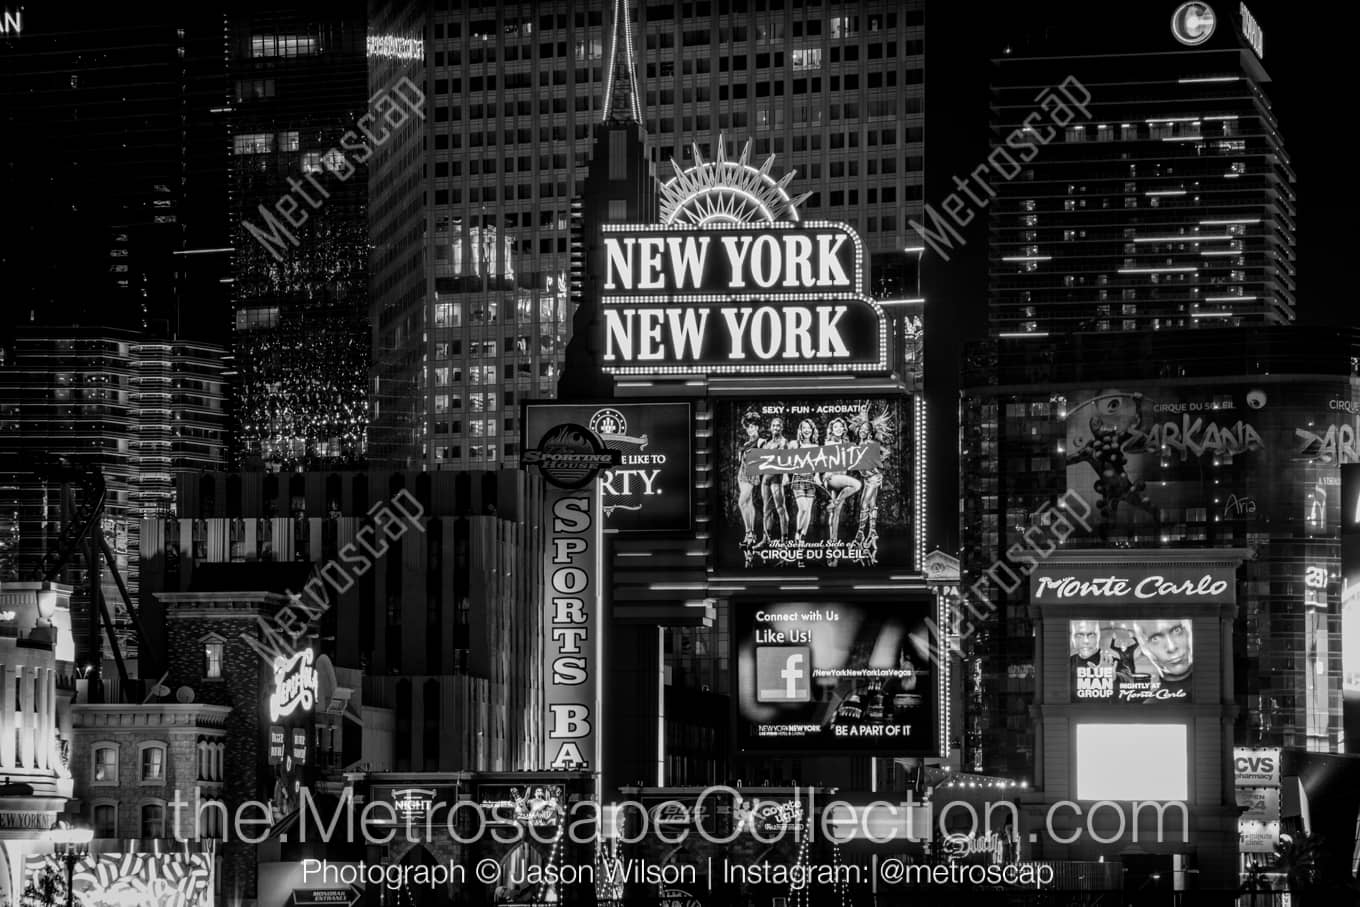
622	102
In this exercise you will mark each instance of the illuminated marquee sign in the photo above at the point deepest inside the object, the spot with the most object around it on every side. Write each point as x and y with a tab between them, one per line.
651	486
1093	585
295	684
391	47
775	297
570	459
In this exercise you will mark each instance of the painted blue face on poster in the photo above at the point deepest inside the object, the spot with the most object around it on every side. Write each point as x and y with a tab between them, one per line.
814	483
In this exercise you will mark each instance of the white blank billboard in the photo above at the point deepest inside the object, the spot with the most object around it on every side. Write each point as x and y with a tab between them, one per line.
1132	762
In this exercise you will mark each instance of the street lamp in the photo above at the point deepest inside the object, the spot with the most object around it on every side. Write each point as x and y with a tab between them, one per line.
73	843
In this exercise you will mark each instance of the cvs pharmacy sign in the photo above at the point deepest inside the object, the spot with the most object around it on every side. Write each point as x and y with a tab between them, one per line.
1256	766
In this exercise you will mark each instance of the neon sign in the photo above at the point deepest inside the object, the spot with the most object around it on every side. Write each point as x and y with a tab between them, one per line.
776	297
11	23
295	684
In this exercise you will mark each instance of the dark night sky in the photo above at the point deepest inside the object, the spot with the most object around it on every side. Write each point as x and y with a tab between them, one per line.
1306	54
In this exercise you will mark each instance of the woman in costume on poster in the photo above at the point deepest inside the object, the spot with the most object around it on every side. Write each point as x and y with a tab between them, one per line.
866	430
805	484
841	485
747	478
772	486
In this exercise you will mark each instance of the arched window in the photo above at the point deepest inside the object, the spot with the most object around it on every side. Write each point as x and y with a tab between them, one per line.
153	820
105	764
105	816
151	759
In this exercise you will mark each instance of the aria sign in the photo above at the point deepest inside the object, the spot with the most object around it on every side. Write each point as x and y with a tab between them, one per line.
766	298
295	684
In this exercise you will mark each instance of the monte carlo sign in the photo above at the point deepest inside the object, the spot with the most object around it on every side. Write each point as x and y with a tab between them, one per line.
752	299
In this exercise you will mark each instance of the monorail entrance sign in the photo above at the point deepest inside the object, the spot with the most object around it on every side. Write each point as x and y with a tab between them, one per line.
758	299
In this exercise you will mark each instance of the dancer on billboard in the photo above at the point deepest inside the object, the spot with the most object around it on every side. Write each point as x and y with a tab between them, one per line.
772	486
747	479
805	484
866	430
841	485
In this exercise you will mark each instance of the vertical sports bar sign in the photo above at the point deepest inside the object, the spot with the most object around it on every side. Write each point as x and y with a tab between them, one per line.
570	457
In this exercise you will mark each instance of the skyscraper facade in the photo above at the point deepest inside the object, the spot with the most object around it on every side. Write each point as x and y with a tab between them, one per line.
1229	438
472	316
299	226
139	410
120	169
1163	197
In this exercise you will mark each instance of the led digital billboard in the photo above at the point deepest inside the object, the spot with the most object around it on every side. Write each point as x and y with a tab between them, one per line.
852	677
805	482
651	488
1148	456
1132	762
1131	661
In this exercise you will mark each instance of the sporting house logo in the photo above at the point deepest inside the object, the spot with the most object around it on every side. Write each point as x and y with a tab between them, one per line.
571	456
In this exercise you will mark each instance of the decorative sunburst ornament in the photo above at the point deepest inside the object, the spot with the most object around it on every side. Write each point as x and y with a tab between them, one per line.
714	193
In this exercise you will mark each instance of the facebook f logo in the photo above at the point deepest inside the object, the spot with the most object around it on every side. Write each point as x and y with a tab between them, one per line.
783	674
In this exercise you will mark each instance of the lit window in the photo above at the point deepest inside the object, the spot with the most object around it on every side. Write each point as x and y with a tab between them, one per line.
153	762
212	657
448	314
254	143
844	26
288	141
106	765
311	162
806	59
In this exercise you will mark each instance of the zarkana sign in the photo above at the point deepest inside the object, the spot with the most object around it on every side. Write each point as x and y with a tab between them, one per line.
768	298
